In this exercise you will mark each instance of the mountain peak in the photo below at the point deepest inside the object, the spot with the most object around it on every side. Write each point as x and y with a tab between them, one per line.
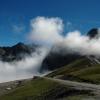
19	44
93	33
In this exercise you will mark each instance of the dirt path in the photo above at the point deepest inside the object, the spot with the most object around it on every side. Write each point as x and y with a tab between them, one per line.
79	85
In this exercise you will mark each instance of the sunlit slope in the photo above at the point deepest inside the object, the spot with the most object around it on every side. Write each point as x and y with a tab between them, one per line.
80	70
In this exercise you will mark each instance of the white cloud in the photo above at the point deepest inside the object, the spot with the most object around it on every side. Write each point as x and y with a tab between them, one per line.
24	68
69	26
51	30
46	29
18	28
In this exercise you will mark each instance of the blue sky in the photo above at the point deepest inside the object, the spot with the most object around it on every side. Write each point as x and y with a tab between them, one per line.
15	16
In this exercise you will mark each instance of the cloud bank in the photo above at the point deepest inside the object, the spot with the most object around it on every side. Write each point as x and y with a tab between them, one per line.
50	30
25	68
46	30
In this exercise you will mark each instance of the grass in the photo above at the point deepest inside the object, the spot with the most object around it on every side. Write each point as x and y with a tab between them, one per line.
77	65
80	70
42	89
91	74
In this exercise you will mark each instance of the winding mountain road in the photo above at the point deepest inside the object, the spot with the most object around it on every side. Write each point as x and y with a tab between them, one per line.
79	85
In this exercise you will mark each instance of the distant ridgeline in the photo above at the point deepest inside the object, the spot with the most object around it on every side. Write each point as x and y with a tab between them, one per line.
16	52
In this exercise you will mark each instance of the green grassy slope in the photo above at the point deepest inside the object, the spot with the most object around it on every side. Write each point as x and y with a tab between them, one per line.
75	66
90	74
43	89
80	70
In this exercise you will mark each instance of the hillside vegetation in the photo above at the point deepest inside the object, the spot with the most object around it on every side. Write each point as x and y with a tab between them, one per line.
44	89
80	70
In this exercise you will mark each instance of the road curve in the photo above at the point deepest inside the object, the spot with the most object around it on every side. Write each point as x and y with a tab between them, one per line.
78	85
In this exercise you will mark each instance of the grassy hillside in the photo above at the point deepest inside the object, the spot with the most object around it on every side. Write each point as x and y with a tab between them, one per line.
77	65
44	89
80	70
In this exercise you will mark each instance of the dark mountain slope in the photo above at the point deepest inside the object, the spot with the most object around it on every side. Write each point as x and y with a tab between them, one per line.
16	52
56	60
93	33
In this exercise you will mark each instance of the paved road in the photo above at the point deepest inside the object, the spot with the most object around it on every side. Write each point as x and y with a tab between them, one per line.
79	85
